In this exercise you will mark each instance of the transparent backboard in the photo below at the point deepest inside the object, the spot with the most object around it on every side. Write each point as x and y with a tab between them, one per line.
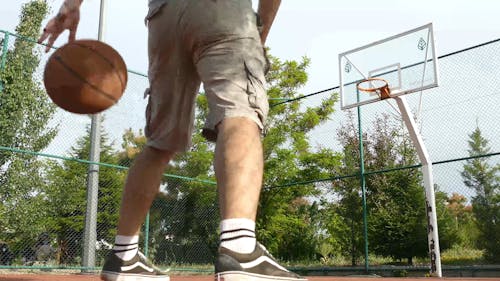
407	61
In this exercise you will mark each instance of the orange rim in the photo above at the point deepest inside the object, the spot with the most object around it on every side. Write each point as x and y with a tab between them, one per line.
371	89
384	89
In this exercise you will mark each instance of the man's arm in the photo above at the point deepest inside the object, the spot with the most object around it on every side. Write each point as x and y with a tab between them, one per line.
67	18
71	5
267	12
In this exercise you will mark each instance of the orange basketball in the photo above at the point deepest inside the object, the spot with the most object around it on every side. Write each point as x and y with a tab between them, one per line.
85	76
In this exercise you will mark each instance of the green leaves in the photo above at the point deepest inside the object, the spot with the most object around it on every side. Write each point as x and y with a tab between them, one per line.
395	200
484	178
290	160
25	112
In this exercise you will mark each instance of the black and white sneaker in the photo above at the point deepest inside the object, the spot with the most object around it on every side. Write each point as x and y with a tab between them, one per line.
136	269
256	266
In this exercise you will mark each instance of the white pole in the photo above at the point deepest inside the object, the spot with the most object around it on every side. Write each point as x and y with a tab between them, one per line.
90	235
432	228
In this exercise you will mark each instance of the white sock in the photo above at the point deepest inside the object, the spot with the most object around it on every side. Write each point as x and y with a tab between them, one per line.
238	235
126	247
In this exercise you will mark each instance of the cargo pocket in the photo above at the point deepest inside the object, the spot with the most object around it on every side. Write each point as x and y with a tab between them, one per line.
257	97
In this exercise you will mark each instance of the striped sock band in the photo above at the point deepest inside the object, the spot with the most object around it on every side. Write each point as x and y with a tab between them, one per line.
126	247
238	235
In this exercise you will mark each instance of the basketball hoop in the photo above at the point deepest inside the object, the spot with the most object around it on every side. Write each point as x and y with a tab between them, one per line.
375	85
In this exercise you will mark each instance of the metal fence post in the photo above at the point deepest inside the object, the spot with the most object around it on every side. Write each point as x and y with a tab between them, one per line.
363	188
3	60
90	236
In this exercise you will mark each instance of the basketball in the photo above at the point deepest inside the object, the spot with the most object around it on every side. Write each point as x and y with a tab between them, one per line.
85	76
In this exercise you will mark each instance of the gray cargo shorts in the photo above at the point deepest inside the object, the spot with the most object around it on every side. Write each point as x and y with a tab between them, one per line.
216	43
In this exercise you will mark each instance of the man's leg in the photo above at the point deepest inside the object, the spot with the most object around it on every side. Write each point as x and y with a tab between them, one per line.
238	167
143	181
141	188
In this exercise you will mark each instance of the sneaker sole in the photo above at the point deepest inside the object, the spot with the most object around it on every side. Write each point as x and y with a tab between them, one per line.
245	276
112	276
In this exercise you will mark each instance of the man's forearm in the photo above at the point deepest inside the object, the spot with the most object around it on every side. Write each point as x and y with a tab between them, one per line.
70	5
267	12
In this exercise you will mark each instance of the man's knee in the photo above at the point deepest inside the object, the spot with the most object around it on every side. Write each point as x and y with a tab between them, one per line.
237	123
164	156
238	126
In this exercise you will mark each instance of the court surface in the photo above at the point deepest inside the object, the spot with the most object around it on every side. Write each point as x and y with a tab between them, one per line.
50	277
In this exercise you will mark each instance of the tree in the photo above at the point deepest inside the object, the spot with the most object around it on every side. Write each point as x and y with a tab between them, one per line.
24	107
349	205
396	199
398	224
25	112
484	178
448	234
463	220
333	238
67	191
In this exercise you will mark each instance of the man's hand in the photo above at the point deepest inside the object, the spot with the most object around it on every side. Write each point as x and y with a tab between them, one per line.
67	18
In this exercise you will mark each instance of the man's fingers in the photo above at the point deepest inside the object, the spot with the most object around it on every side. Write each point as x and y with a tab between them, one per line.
49	32
72	35
44	36
57	25
52	39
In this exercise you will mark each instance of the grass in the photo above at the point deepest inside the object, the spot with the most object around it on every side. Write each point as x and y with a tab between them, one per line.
462	256
457	255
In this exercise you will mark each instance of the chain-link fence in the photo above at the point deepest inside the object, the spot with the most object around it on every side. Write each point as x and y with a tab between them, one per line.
44	166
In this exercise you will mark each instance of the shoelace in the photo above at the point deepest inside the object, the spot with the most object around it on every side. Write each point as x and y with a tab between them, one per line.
145	260
142	255
266	251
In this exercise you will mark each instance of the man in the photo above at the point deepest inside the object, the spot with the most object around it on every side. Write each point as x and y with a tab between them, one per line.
217	43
